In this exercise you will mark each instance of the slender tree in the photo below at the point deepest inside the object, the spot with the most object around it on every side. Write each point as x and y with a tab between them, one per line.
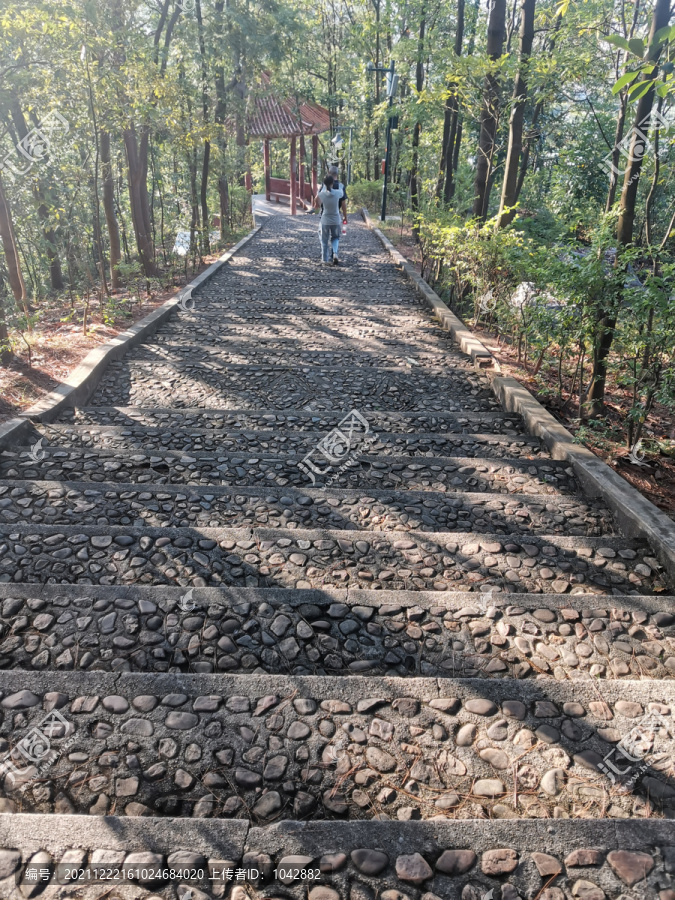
417	128
43	203
8	237
607	315
509	185
489	110
450	116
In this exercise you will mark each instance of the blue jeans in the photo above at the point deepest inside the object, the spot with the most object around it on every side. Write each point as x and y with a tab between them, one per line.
330	235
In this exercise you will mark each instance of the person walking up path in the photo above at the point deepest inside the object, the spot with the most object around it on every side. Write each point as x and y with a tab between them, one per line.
335	172
329	198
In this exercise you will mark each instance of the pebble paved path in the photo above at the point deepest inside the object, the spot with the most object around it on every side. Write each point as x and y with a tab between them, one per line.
293	562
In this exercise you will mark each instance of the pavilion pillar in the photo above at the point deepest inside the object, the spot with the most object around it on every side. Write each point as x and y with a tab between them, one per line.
302	171
315	161
266	163
294	187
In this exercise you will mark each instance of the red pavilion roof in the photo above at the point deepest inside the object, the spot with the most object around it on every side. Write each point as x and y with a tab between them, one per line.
271	117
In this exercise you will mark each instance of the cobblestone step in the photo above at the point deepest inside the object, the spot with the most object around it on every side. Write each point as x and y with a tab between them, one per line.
396	355
299	333
336	632
143	437
275	747
206	383
299	420
70	502
340	860
361	469
395	358
312	559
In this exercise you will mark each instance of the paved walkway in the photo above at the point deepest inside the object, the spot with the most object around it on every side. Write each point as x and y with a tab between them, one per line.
293	561
262	208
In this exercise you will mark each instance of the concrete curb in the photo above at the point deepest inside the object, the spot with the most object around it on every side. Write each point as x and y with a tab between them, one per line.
452	601
82	382
636	516
14	432
230	838
468	342
57	832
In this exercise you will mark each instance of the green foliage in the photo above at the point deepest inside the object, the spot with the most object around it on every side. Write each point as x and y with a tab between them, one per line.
366	193
555	301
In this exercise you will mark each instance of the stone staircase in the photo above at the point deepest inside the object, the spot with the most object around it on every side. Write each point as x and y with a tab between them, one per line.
401	668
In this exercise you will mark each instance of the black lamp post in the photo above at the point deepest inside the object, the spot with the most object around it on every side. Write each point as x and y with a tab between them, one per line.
392	85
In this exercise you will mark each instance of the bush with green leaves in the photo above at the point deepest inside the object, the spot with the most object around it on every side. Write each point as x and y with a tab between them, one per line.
555	302
366	193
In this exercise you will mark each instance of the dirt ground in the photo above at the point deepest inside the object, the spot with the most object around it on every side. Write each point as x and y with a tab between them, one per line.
44	358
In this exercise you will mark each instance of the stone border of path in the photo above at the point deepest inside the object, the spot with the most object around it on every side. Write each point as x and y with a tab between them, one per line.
636	516
83	380
56	832
468	342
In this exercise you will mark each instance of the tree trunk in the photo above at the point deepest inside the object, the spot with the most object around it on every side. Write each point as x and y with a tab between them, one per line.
649	202
143	152
450	111
624	230
204	184
224	196
621	121
376	132
450	103
489	111
508	198
96	213
419	85
16	281
109	210
616	154
194	221
458	144
203	198
55	274
140	215
525	158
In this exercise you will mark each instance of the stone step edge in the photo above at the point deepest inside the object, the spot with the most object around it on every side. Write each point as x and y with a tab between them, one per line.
79	683
634	512
384	355
83	380
468	343
317	368
274	534
457	461
260	490
204	596
463	437
298	413
229	838
405	857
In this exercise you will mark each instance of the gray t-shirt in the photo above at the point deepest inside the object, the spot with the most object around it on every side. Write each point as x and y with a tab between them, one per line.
330	200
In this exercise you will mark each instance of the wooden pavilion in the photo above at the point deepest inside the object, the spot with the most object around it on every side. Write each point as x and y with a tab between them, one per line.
272	118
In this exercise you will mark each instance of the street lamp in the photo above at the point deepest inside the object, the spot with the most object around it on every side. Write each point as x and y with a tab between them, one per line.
338	142
392	87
